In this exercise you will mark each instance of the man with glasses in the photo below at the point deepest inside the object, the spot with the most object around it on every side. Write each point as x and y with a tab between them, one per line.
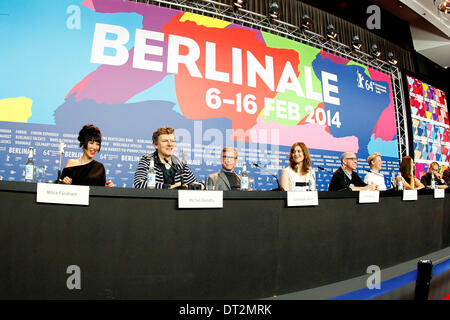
345	178
226	178
433	173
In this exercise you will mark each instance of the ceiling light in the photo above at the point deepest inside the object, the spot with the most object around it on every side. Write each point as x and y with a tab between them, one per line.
239	4
391	58
356	43
274	10
331	32
443	6
375	51
305	22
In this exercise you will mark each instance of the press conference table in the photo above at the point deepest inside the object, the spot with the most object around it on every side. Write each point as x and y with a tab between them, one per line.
137	244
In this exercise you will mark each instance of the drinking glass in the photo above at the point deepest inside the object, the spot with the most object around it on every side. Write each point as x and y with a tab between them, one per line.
209	184
40	173
251	184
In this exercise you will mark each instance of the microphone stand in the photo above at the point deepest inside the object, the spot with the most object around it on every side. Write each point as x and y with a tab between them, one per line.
267	171
177	171
376	173
183	160
326	170
61	151
393	182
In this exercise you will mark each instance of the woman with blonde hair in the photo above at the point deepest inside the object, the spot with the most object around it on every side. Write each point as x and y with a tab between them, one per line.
374	176
299	173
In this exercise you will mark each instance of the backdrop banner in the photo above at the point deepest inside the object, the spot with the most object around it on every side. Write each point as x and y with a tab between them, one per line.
130	68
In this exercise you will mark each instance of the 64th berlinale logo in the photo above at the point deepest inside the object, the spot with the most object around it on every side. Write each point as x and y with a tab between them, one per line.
364	83
360	80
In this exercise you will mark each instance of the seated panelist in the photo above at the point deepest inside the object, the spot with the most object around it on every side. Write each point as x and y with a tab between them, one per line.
297	175
85	170
226	179
446	176
407	175
433	173
170	172
374	176
346	178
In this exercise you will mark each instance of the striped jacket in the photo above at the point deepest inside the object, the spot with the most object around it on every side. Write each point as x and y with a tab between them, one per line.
140	176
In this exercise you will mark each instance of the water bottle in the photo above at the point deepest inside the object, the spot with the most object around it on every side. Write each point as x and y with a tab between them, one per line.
244	178
311	181
433	182
29	166
393	184
209	183
400	184
151	177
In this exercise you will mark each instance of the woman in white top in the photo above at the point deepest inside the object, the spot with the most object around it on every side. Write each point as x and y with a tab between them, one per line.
374	176
297	176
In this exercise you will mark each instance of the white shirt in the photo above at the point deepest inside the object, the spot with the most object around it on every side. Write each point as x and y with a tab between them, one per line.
294	177
375	178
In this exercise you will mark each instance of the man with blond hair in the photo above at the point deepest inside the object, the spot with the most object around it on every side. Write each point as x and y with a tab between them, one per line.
170	172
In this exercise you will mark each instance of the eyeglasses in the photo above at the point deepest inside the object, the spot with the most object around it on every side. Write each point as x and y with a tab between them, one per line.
353	159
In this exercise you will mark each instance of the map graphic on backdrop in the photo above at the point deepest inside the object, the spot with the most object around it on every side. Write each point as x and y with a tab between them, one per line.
430	123
130	68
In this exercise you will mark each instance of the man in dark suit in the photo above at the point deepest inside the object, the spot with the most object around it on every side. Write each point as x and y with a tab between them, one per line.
346	178
433	173
226	178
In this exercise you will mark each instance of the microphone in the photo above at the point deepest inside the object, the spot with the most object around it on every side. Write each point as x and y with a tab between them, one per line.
393	182
179	170
273	175
378	174
437	178
326	170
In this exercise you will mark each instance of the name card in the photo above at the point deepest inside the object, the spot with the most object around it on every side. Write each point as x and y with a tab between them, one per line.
368	196
439	193
409	195
62	194
200	199
302	198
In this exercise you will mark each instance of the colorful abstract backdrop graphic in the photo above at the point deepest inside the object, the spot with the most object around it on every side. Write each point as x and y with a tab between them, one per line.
430	124
217	83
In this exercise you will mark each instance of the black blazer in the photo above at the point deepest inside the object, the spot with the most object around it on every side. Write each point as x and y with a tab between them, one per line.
426	180
340	181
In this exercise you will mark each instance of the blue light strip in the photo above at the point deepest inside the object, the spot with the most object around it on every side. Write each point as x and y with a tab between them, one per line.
391	284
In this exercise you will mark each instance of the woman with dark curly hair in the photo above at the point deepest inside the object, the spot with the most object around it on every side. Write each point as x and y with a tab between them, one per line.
85	170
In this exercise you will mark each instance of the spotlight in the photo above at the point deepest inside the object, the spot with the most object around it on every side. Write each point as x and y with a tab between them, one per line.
444	6
305	22
375	51
356	43
238	4
274	10
391	58
331	32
